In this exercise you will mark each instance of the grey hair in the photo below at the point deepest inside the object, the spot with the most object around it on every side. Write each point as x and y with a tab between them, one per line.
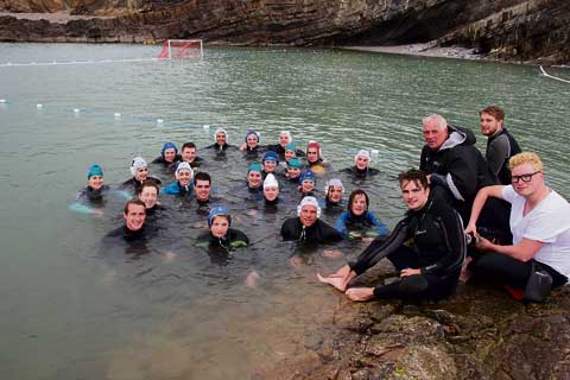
437	119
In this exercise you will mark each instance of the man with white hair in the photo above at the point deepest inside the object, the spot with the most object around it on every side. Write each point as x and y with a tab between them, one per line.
221	141
456	167
307	227
285	138
361	168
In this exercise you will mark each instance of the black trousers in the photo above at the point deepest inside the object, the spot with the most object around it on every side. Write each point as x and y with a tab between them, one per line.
418	287
506	270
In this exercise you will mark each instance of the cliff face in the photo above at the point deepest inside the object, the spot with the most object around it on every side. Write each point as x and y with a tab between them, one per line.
505	29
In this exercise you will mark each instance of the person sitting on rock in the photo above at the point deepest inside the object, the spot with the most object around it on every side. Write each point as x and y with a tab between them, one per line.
427	247
307	227
361	168
540	223
357	222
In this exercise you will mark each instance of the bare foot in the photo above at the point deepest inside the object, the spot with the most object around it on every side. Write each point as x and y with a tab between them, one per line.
251	279
334	281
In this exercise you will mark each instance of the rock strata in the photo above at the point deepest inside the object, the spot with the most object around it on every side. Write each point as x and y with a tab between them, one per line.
520	30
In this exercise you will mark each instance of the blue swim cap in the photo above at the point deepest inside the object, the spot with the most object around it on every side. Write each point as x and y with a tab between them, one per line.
218	211
295	163
291	146
270	156
254	167
307	175
168	145
94	170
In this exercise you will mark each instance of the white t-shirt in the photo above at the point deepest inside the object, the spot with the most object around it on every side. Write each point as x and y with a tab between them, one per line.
548	222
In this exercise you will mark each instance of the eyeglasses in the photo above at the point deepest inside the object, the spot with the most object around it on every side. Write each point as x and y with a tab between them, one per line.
526	178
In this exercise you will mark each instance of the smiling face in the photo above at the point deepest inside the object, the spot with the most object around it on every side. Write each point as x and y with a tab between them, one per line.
149	196
202	189
270	193
489	124
308	215
134	217
284	139
334	194
307	186
220	226
361	162
289	154
415	196
184	177
220	138
188	154
434	134
526	172
293	172
253	179
251	141
170	155
141	174
269	166
95	182
359	205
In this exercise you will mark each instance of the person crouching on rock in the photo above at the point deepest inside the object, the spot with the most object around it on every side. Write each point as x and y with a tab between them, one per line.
429	267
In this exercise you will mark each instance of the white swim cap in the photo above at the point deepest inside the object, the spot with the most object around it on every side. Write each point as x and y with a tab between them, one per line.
363	153
270	181
184	166
309	201
136	164
333	182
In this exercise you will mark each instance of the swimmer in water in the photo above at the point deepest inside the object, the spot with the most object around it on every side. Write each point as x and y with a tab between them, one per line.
361	168
269	161
148	194
168	155
285	138
140	173
290	152
307	183
307	227
182	187
251	147
357	222
189	154
133	229
294	167
90	199
221	141
220	235
271	190
334	191
315	160
254	177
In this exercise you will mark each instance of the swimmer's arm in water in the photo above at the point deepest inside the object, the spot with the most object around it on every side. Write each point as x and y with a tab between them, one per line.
84	209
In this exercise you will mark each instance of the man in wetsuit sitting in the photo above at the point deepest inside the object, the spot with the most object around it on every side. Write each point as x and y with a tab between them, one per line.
427	247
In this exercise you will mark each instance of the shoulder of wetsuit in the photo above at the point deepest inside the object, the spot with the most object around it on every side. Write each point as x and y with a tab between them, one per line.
155	180
158	160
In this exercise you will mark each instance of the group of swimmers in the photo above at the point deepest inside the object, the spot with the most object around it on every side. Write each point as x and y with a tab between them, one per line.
525	233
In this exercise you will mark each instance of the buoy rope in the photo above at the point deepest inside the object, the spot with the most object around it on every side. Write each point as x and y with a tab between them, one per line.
544	73
87	62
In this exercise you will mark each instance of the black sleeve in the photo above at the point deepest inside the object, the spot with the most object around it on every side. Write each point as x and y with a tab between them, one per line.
289	230
329	234
497	152
463	170
454	239
380	248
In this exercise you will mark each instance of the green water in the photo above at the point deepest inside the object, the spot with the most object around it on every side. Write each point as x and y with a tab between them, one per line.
66	312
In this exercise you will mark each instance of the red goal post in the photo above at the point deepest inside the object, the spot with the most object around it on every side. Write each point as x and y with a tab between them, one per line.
181	49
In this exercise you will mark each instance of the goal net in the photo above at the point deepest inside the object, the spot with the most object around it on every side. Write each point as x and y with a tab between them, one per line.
181	49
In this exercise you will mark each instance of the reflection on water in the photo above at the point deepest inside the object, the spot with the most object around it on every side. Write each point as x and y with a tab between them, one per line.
76	308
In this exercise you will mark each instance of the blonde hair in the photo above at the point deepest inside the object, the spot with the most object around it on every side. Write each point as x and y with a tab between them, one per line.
526	158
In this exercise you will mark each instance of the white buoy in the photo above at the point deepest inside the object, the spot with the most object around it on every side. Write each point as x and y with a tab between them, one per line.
159	121
374	153
76	110
117	115
2	100
206	126
39	106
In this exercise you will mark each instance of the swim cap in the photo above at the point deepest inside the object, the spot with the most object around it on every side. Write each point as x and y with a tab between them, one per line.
295	163
292	147
218	211
184	166
270	156
251	132
270	181
333	182
315	144
307	175
254	167
309	201
288	135
166	146
222	130
94	170
136	164
362	153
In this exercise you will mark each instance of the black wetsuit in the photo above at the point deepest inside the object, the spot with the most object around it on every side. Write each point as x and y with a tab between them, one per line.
357	173
134	185
220	148
92	196
219	248
161	161
194	164
135	240
431	240
501	147
277	148
319	233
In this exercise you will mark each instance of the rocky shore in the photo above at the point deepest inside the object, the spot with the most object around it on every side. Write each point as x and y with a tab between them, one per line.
504	30
477	334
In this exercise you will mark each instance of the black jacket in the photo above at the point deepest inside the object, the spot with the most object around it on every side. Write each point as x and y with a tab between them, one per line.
320	232
500	148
